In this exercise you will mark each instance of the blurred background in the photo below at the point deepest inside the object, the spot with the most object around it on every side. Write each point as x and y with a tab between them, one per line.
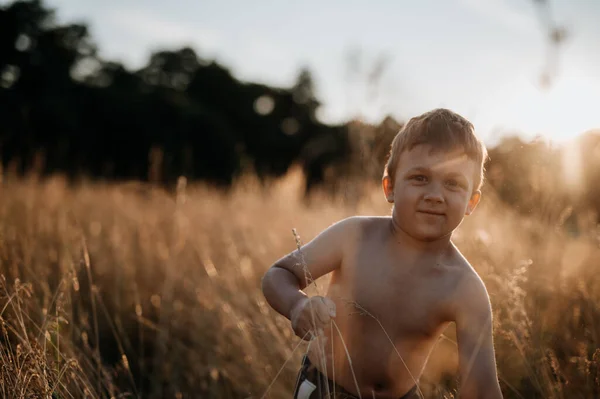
155	155
209	90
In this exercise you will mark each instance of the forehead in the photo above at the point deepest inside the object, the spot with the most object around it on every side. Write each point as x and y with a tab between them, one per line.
426	157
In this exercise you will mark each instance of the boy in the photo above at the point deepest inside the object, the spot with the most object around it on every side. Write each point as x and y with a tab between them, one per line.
396	282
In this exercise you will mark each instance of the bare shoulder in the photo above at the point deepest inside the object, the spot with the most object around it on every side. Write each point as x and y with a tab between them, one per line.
324	253
354	227
372	225
471	299
348	229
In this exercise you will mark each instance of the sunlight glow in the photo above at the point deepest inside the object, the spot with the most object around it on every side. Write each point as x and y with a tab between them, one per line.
560	113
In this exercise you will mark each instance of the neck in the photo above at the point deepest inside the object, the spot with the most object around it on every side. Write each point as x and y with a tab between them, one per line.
435	247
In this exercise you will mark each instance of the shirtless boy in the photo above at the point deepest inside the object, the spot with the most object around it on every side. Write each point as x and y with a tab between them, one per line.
395	279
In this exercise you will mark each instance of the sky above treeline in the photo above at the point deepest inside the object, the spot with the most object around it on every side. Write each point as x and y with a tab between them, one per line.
481	58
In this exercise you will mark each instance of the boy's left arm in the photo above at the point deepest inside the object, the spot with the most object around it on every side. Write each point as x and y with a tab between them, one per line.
477	362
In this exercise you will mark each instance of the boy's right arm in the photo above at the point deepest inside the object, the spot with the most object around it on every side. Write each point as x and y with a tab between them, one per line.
283	283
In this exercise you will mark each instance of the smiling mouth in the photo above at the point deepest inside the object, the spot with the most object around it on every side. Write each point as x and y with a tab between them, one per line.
432	213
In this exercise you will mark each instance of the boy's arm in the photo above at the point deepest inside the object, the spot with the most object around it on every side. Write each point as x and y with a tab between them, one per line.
283	283
477	362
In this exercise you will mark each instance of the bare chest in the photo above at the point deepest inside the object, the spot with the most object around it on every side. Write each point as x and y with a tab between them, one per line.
409	299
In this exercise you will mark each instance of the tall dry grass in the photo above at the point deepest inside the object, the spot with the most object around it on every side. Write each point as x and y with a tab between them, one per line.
127	291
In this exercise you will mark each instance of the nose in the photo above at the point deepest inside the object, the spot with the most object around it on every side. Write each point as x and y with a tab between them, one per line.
434	195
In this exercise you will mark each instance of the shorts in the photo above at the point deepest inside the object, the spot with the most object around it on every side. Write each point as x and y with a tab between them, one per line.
312	384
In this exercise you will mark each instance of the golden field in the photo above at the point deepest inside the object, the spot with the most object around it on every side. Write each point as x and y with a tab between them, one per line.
128	291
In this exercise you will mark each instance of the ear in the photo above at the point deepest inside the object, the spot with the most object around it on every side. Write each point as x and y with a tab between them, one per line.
473	201
388	188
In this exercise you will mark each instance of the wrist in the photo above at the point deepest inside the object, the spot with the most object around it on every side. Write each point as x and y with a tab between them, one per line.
297	306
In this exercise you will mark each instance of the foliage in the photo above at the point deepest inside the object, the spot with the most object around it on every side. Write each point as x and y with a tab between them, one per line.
164	289
64	109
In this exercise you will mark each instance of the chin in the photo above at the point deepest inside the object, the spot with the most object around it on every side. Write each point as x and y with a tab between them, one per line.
429	235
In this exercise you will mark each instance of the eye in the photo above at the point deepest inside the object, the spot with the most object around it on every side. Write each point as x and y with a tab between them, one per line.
453	183
419	178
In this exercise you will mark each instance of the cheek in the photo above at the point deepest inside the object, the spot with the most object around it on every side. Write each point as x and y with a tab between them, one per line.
404	188
407	194
458	202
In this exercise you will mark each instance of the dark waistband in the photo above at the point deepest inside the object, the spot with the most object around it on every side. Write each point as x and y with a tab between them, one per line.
312	374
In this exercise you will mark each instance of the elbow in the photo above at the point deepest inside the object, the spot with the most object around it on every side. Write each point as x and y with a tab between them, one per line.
266	281
268	288
278	279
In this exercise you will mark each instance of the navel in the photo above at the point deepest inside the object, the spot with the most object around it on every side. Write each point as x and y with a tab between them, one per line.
379	386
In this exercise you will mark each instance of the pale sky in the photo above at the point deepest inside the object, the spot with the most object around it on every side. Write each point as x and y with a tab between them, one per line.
481	58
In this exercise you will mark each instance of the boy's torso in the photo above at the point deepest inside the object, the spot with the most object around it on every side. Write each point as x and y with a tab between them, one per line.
382	296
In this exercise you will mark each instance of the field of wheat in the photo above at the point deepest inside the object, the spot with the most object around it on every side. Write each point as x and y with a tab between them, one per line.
125	290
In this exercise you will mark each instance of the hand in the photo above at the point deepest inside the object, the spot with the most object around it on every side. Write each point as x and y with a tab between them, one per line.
312	315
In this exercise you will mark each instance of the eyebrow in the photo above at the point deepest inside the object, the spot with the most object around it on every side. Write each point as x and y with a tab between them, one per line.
425	169
457	174
417	169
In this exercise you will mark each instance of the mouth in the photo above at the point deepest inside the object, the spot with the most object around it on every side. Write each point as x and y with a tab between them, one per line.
434	213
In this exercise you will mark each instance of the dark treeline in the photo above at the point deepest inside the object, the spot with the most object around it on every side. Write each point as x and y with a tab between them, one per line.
65	110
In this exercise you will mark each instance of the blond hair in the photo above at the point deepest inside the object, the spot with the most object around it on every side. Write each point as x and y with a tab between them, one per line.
443	130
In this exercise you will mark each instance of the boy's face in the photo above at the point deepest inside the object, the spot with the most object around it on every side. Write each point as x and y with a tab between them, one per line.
432	191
